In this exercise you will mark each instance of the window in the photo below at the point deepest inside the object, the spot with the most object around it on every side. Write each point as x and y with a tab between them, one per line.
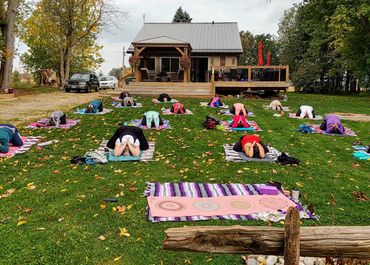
170	65
222	61
148	63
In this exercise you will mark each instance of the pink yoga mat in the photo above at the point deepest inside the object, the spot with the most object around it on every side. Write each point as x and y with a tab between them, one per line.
225	205
27	143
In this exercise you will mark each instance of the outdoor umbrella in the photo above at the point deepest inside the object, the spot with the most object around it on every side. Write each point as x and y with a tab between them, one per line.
260	53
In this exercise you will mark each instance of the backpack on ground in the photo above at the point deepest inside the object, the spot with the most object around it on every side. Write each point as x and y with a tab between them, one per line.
178	108
239	121
128	102
151	119
211	122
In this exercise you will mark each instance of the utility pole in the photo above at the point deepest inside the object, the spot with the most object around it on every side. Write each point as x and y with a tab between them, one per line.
123	59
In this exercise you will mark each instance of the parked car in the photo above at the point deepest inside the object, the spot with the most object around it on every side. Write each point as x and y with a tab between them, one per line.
83	82
108	82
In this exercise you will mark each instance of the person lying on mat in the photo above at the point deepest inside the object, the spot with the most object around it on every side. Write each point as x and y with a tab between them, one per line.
332	124
124	94
9	135
95	106
178	108
276	105
128	141
215	102
238	109
164	98
152	119
305	111
128	102
252	146
239	121
55	119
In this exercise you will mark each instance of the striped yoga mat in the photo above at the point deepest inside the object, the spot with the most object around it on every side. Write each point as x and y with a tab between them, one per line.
207	190
347	131
234	156
68	125
119	105
137	123
146	155
28	141
82	111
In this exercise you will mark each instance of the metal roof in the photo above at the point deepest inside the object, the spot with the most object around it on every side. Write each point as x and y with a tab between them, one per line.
203	37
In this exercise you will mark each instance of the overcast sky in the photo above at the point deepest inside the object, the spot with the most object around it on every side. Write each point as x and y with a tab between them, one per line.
257	16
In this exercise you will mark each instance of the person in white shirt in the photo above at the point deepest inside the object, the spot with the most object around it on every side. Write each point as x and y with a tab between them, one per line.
305	111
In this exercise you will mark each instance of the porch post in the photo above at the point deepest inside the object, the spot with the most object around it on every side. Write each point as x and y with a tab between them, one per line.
213	81
136	67
249	73
186	69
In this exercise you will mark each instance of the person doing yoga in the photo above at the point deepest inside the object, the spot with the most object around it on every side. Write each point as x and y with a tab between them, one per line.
238	109
305	111
164	98
94	106
128	141
332	124
9	135
252	146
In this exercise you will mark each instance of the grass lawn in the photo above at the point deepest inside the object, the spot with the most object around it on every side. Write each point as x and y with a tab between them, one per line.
66	219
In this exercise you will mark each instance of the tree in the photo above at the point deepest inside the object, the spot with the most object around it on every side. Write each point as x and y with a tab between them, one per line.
181	16
115	72
8	15
67	32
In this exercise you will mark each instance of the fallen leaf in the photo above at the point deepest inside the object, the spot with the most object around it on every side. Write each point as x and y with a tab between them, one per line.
117	258
299	184
27	210
132	189
21	223
61	219
123	232
103	206
355	165
360	196
102	238
129	207
56	171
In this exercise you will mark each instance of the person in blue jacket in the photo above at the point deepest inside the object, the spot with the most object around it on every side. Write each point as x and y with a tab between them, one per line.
9	135
95	106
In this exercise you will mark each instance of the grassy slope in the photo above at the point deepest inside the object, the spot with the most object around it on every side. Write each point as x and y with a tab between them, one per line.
75	193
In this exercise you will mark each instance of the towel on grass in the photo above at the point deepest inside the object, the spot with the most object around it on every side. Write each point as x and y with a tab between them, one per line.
207	190
83	111
119	105
254	127
39	124
137	123
28	141
234	156
146	155
293	116
168	112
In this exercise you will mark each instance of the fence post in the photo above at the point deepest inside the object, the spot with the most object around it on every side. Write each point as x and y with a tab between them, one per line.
291	237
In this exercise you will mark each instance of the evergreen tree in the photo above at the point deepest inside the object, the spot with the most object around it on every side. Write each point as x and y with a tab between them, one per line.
181	16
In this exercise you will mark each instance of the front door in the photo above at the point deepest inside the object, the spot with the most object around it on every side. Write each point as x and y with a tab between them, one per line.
199	69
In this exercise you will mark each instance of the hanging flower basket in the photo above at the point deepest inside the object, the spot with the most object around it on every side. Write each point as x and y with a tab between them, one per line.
134	61
185	61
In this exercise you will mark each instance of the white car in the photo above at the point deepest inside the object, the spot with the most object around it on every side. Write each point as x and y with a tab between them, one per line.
108	82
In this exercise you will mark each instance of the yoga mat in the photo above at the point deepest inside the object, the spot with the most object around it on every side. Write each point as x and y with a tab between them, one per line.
28	141
146	155
347	131
268	107
119	106
113	158
360	147
156	101
82	111
234	156
254	127
227	112
168	112
70	123
205	104
361	155
137	123
293	116
169	190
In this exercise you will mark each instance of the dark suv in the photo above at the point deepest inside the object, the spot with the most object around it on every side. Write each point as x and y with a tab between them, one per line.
83	82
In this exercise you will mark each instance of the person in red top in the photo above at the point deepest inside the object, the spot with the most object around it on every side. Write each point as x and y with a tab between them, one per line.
252	146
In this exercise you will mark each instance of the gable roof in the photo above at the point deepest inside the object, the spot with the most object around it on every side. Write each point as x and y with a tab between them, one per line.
161	40
203	37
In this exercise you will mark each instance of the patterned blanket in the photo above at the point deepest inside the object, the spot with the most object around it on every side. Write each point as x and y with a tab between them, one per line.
39	124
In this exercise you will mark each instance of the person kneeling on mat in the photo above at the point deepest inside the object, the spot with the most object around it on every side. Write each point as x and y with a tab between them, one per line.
164	98
178	108
239	121
238	109
128	102
252	146
215	102
9	135
305	111
95	106
128	141
55	119
124	94
332	124
152	119
275	105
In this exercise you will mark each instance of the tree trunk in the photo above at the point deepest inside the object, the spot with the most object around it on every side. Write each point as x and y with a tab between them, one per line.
67	63
9	43
61	66
321	241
